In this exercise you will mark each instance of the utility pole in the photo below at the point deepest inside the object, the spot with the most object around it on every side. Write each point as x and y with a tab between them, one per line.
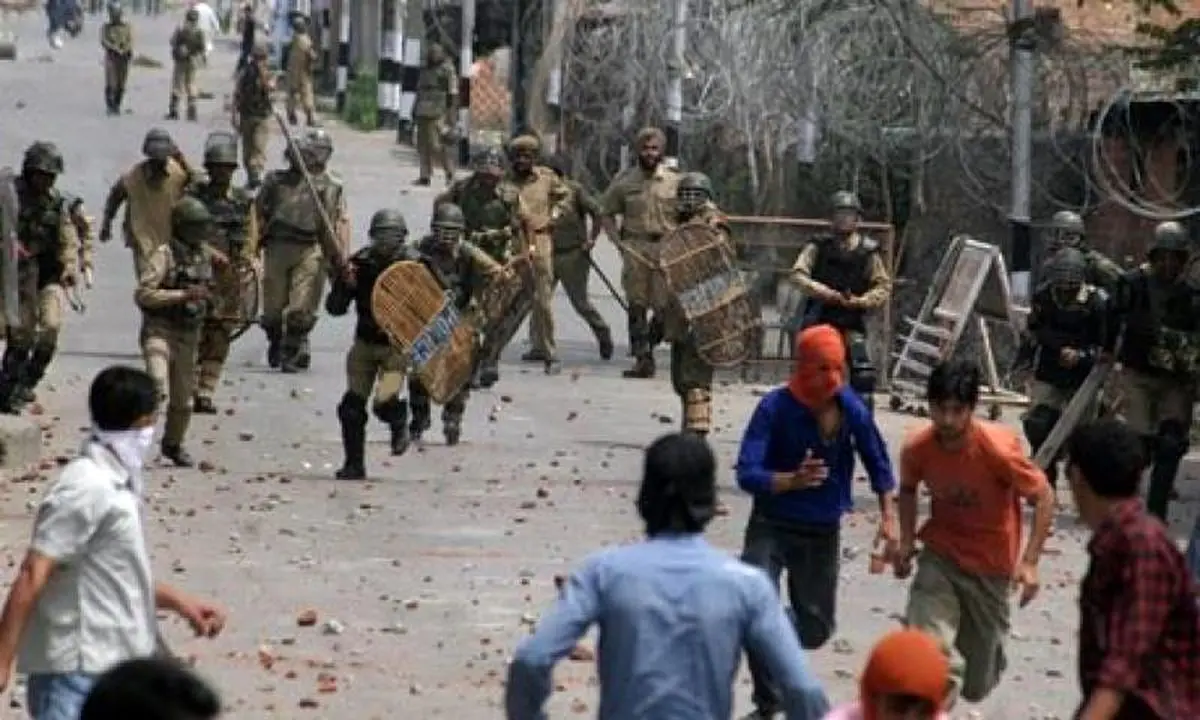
466	62
1023	45
675	81
413	31
519	49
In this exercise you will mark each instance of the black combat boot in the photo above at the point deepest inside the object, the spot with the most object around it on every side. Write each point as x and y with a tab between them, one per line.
352	414
605	341
489	375
643	368
452	429
203	405
173	109
289	353
177	455
303	354
12	373
535	356
118	98
274	346
553	366
32	374
192	115
394	413
292	119
421	416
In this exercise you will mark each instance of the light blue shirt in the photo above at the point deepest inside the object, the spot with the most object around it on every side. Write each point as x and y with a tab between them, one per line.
675	615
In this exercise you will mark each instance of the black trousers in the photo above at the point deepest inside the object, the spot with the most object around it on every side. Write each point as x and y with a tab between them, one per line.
811	555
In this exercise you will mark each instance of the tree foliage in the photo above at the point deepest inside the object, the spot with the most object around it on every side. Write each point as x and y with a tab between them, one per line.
1173	45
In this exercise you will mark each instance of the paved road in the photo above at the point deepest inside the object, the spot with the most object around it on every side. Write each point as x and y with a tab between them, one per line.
423	578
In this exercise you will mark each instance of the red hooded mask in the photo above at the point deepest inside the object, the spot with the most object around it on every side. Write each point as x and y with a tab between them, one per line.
820	369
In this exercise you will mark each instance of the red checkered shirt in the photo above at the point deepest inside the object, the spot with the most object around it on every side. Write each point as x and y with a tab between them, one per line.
1139	630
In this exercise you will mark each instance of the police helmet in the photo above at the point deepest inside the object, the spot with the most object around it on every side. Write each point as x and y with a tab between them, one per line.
43	157
158	144
388	220
1170	236
190	212
1066	221
1067	267
220	149
845	200
449	216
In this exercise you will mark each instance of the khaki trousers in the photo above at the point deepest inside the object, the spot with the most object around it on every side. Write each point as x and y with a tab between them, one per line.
541	319
1150	400
293	283
300	95
969	615
374	367
183	82
431	149
41	317
255	135
116	72
170	354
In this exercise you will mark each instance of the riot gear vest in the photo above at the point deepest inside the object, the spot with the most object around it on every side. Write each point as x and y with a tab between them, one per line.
456	273
846	271
369	263
39	226
1160	325
291	213
1078	324
190	267
231	214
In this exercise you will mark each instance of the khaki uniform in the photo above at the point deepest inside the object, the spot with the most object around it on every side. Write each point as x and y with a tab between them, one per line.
148	207
252	100
436	103
544	198
187	47
237	228
295	262
646	203
301	57
492	214
571	264
171	328
48	237
117	40
691	375
879	283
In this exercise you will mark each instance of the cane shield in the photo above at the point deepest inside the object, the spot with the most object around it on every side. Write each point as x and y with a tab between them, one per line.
506	302
421	319
698	266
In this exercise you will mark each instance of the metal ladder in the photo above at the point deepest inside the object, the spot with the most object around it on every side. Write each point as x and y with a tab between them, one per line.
934	334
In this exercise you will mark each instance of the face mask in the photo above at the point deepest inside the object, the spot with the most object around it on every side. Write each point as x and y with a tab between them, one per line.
131	447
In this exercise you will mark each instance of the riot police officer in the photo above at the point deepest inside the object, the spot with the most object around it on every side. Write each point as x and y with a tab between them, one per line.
1068	320
1067	230
372	362
464	270
1160	310
844	277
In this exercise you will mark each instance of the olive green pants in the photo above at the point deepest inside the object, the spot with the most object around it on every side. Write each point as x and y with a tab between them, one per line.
374	367
293	282
572	268
211	353
969	615
170	354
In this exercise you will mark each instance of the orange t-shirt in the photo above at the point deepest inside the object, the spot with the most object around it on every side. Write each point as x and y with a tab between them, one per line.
975	514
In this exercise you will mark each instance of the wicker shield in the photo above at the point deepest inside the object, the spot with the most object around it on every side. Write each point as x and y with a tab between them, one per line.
421	319
506	303
699	271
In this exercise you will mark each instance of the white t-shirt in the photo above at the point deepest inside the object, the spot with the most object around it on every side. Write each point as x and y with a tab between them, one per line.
97	608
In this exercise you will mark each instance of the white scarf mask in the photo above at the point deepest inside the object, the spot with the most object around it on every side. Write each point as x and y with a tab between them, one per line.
131	447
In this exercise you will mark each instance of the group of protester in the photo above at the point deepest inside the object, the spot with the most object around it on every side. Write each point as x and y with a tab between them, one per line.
675	614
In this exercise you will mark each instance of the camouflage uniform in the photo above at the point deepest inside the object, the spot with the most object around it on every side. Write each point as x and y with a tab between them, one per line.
572	246
1159	306
148	190
490	205
1067	230
544	198
48	262
844	278
644	197
301	59
173	293
464	270
691	375
372	363
298	249
252	113
187	47
116	38
434	110
236	238
1068	319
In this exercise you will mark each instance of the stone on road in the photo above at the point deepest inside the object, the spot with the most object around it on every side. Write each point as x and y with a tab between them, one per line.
404	595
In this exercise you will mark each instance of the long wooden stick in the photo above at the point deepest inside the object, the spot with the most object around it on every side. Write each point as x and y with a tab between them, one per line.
329	240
